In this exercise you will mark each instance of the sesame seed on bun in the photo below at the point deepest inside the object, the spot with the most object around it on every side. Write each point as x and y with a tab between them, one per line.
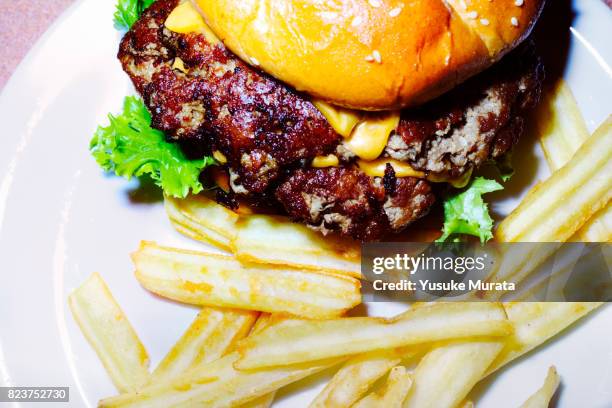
371	54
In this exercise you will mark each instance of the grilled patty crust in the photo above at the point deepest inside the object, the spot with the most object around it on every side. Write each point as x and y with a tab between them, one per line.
260	125
346	200
478	121
207	99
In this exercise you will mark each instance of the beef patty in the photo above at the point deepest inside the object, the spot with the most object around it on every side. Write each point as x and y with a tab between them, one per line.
478	121
346	200
260	125
206	98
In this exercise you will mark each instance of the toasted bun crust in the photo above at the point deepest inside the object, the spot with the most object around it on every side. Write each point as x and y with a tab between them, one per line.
371	54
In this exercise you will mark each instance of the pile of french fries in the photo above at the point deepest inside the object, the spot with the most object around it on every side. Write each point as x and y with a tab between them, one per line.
273	307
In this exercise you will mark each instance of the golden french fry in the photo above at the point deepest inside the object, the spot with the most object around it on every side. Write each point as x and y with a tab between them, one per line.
295	341
263	321
355	378
549	287
597	229
212	334
577	274
522	260
276	240
202	219
216	384
261	402
562	130
190	233
445	376
218	280
393	394
542	397
560	125
561	205
535	323
110	334
519	261
467	404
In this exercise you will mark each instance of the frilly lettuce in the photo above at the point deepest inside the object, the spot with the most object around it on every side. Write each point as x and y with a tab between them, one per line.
130	147
467	213
128	11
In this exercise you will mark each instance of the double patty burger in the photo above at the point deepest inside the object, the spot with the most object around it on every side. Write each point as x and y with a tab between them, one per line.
346	114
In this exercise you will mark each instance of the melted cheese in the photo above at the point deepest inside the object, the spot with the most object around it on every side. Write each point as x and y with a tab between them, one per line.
179	64
342	120
370	137
366	133
185	19
325	161
220	157
376	168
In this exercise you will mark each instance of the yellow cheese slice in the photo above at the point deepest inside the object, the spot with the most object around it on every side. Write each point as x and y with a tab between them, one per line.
179	64
370	137
185	19
325	161
220	157
376	168
367	133
342	120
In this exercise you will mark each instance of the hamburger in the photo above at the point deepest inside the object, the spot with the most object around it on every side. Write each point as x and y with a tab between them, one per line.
350	116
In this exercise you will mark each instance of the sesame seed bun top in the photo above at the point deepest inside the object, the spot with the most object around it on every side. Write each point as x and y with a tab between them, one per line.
371	54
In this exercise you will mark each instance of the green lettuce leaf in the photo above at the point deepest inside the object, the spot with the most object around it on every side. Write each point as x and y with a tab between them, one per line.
127	12
467	213
130	147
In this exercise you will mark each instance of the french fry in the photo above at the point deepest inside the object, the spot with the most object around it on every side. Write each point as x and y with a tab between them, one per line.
110	334
218	280
263	321
276	240
535	323
190	233
597	229
562	131
262	238
261	402
576	275
467	404
519	261
294	341
393	394
542	397
445	376
549	287
561	205
211	335
216	384
202	219
560	125
355	378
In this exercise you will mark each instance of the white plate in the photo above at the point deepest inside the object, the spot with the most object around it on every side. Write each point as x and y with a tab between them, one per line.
61	219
